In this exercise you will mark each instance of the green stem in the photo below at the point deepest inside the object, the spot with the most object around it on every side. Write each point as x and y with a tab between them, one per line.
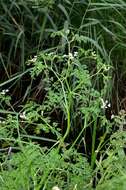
68	105
84	127
93	153
68	125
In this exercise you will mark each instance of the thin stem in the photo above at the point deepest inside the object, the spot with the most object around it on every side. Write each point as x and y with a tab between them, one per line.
93	154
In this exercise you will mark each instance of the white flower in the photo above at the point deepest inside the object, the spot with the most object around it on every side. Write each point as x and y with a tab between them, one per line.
109	105
55	188
33	59
22	115
112	116
105	104
75	54
2	122
71	56
4	91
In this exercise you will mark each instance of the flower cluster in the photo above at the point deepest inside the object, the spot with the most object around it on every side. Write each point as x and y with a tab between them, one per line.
105	104
33	60
4	91
71	56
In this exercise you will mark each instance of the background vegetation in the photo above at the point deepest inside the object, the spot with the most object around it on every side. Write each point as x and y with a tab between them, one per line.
62	94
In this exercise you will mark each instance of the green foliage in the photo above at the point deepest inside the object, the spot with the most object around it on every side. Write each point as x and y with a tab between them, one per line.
57	61
4	98
113	168
32	168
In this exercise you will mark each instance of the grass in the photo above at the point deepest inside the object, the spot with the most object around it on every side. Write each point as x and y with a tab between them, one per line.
62	95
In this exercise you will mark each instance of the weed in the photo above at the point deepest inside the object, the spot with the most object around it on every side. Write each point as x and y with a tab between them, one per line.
33	168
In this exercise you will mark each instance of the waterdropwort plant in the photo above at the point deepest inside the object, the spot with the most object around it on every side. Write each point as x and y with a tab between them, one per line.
71	87
67	99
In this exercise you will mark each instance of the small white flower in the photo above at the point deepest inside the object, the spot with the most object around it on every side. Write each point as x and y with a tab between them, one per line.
71	56
112	116
55	188
4	91
75	54
22	115
2	122
109	105
105	104
34	59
